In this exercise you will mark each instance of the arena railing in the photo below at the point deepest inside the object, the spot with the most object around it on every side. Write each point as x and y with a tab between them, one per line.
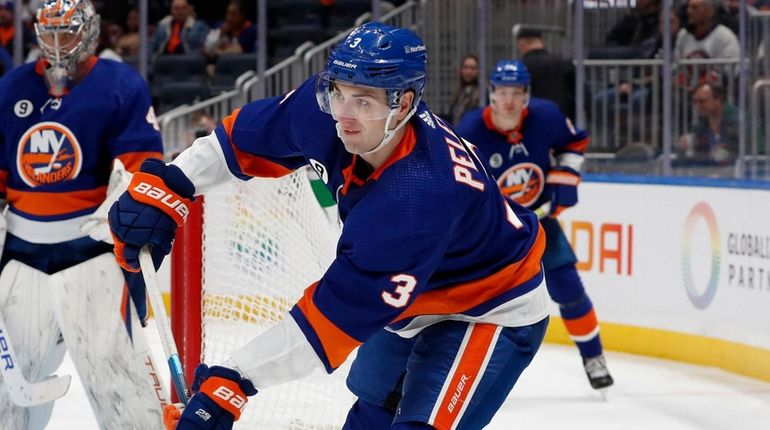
176	125
281	78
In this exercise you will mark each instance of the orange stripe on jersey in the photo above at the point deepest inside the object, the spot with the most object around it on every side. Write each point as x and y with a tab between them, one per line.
471	359
583	325
461	297
513	135
250	164
579	146
50	204
336	343
132	160
405	146
229	122
3	181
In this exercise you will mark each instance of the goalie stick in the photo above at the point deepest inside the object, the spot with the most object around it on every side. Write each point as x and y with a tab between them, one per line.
164	328
22	392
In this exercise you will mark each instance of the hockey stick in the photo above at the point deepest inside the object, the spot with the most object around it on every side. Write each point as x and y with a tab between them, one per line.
22	392
164	328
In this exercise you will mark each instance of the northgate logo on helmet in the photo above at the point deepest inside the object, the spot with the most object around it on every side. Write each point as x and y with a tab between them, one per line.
48	153
412	49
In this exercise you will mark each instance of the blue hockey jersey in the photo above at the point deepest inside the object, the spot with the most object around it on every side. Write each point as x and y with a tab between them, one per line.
520	159
427	236
57	153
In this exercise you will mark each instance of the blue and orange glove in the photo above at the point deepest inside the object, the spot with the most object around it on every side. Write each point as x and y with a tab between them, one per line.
561	186
220	396
156	202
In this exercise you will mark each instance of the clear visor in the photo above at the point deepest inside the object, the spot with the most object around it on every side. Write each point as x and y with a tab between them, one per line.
59	41
509	100
344	100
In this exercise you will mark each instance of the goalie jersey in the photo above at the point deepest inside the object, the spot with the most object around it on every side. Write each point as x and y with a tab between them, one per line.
520	159
57	152
427	236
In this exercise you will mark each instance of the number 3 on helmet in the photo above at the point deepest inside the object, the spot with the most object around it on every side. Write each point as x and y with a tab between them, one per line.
379	56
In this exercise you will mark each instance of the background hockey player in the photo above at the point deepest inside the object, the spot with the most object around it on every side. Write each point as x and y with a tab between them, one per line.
63	121
517	135
430	248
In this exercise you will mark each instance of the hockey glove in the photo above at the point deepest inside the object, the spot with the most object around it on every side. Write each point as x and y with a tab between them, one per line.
156	203
220	396
561	186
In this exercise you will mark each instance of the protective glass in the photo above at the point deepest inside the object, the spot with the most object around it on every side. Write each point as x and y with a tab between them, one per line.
344	100
502	94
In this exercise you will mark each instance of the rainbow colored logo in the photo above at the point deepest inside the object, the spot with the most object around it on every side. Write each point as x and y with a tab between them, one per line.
700	300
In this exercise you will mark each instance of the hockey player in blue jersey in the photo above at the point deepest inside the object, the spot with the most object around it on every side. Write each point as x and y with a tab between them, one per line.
64	122
517	135
437	277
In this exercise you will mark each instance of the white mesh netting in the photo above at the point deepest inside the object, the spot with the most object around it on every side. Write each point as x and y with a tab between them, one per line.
264	242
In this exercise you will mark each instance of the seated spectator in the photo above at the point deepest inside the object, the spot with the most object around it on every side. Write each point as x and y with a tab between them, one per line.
104	48
553	78
8	31
128	42
180	32
636	27
465	96
237	35
703	36
728	14
714	139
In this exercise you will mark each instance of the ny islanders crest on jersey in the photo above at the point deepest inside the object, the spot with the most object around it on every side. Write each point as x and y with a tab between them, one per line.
47	153
522	182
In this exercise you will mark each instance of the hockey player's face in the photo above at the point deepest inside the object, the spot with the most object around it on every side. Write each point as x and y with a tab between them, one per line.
508	101
361	113
62	42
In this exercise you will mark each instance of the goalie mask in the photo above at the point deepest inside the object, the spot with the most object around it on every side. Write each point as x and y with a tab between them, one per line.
67	32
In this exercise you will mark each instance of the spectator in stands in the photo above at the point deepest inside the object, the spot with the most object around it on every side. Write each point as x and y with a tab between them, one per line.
105	48
128	42
704	37
237	34
636	27
728	14
465	96
8	31
714	140
553	78
180	32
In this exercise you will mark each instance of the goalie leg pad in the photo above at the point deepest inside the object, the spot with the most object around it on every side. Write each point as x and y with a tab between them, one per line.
117	370
26	306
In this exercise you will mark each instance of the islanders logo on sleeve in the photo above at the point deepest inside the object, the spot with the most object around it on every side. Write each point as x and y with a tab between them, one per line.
48	153
523	182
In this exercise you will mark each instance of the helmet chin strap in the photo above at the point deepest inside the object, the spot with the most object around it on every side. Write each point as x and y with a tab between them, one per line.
389	134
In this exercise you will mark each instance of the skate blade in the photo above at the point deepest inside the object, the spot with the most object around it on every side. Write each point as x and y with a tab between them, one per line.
604	392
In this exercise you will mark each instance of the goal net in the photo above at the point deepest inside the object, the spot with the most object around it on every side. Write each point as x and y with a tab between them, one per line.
261	243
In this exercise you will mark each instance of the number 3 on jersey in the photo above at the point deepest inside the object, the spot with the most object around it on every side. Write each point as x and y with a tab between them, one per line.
404	286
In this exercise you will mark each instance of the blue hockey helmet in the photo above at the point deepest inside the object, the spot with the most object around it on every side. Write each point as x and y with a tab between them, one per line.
379	56
509	73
